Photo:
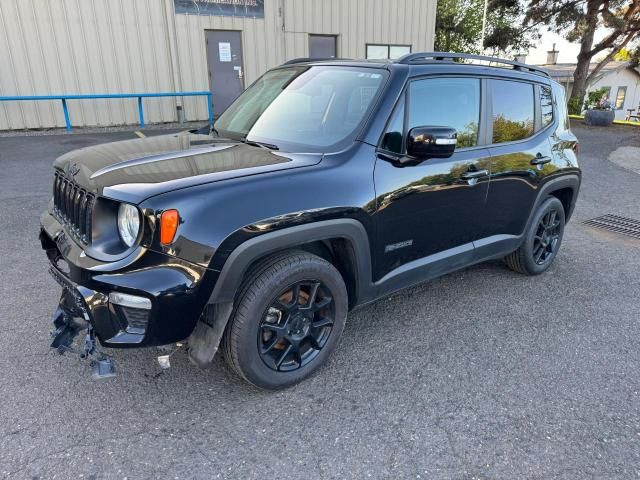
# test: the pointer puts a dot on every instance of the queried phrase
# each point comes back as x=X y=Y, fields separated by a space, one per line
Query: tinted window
x=561 y=107
x=546 y=106
x=392 y=138
x=447 y=102
x=512 y=110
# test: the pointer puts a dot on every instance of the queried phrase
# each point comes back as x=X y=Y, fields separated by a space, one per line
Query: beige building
x=50 y=47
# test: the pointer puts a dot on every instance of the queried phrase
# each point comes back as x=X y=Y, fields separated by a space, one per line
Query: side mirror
x=431 y=142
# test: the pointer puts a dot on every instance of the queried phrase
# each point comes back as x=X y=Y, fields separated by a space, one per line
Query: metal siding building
x=52 y=47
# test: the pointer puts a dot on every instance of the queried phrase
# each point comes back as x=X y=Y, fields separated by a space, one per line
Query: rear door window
x=513 y=113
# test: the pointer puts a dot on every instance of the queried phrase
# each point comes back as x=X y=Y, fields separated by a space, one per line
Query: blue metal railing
x=139 y=96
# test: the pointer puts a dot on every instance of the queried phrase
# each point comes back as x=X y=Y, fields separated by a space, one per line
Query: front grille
x=73 y=207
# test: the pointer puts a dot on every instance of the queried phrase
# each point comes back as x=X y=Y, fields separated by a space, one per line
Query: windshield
x=311 y=108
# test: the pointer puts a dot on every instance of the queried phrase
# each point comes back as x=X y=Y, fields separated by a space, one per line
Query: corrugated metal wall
x=124 y=46
x=83 y=46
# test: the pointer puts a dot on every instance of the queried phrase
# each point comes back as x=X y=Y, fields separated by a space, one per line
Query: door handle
x=471 y=174
x=540 y=160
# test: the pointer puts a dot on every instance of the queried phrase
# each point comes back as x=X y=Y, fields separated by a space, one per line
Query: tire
x=277 y=335
x=528 y=259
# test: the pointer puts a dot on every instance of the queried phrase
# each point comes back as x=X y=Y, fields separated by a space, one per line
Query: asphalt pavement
x=483 y=373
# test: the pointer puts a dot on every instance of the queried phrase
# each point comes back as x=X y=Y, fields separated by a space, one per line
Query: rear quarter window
x=546 y=106
x=560 y=101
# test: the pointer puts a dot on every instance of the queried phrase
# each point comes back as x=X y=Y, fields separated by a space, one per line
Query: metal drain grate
x=615 y=223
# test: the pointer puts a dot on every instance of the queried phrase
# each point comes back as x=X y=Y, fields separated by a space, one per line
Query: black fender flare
x=565 y=181
x=205 y=339
x=239 y=261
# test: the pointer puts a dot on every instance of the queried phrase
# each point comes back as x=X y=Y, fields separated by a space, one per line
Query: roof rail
x=421 y=58
x=306 y=59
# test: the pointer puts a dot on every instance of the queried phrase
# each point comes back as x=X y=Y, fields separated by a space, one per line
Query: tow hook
x=66 y=328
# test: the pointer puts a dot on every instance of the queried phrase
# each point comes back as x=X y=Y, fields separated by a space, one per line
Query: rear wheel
x=542 y=240
x=290 y=314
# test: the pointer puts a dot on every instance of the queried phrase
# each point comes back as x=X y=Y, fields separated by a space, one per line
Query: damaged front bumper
x=152 y=299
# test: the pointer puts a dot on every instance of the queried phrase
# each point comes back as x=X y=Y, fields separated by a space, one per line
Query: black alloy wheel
x=287 y=321
x=296 y=326
x=546 y=240
x=542 y=239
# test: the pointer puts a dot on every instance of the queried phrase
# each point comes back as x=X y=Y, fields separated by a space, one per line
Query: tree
x=504 y=32
x=459 y=26
x=578 y=20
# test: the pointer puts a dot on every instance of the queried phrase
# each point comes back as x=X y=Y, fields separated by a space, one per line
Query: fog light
x=132 y=301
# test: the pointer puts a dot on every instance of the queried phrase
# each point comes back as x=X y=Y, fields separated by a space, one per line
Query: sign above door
x=222 y=8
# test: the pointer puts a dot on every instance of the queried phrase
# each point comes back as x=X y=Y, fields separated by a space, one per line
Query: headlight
x=128 y=223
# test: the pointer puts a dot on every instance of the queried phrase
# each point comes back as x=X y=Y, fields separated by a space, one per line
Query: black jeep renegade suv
x=326 y=185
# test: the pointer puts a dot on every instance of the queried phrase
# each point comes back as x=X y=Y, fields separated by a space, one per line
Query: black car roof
x=444 y=60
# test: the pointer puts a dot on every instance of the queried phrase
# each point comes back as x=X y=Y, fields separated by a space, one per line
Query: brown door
x=226 y=74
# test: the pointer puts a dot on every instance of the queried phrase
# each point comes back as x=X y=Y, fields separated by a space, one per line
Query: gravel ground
x=480 y=374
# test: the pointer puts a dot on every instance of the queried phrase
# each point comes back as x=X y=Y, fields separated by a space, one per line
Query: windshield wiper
x=268 y=146
x=217 y=138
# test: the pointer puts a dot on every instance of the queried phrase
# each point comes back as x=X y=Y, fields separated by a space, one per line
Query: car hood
x=133 y=170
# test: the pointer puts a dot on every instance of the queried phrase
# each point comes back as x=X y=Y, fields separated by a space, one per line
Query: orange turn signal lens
x=169 y=221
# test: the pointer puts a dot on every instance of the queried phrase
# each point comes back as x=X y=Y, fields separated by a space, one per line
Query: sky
x=568 y=52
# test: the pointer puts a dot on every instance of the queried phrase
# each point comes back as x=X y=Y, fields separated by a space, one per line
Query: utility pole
x=484 y=25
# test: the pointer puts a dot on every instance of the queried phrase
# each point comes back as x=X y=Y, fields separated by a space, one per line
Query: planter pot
x=599 y=118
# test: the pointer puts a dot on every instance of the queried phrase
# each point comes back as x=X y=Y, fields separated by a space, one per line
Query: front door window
x=447 y=102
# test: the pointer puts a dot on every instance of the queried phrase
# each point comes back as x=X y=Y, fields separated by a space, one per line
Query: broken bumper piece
x=70 y=319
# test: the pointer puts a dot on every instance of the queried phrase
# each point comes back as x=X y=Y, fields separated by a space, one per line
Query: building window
x=622 y=92
x=512 y=104
x=387 y=52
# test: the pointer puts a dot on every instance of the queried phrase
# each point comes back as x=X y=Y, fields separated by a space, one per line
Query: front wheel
x=289 y=316
x=542 y=240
